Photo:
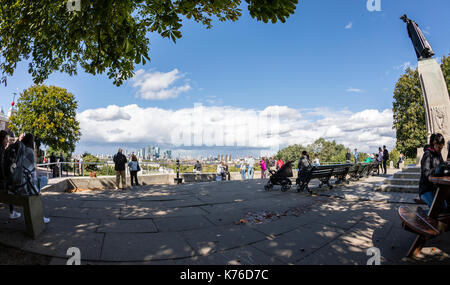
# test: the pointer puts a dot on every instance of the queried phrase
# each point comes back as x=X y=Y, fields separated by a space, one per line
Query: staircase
x=406 y=181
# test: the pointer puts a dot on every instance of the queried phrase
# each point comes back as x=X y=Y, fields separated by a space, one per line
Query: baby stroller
x=280 y=177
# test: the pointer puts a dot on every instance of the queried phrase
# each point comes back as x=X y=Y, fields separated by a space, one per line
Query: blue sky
x=330 y=55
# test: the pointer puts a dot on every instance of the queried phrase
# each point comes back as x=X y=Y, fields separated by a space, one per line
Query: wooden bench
x=33 y=211
x=323 y=173
x=340 y=172
x=431 y=225
x=353 y=172
x=418 y=222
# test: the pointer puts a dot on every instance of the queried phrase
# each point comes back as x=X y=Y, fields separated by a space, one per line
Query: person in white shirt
x=242 y=169
x=251 y=164
x=219 y=171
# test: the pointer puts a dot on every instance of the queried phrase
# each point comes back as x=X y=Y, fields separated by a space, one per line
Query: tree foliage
x=326 y=151
x=409 y=111
x=107 y=36
x=49 y=113
x=409 y=114
x=87 y=157
x=445 y=66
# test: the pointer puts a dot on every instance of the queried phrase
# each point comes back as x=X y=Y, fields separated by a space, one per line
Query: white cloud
x=111 y=113
x=349 y=26
x=403 y=66
x=158 y=85
x=354 y=90
x=273 y=127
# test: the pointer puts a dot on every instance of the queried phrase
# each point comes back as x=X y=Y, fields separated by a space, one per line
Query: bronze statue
x=421 y=45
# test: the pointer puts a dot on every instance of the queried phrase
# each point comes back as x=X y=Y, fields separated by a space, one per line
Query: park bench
x=362 y=168
x=32 y=211
x=340 y=172
x=367 y=171
x=323 y=173
x=353 y=172
x=427 y=226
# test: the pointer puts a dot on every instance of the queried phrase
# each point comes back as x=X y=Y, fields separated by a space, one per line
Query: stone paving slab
x=291 y=246
x=178 y=224
x=206 y=241
x=201 y=224
x=144 y=247
x=192 y=202
x=103 y=204
x=127 y=226
x=366 y=190
x=90 y=244
x=131 y=213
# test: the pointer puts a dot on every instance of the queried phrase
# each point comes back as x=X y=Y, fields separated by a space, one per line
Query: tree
x=409 y=111
x=107 y=35
x=445 y=66
x=87 y=157
x=49 y=113
x=292 y=153
x=326 y=151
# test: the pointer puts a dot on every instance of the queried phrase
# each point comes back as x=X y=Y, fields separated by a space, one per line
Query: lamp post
x=178 y=180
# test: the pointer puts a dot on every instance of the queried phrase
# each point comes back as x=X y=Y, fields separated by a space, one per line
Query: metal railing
x=71 y=169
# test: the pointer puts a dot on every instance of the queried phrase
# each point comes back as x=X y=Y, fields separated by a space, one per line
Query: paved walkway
x=230 y=222
x=365 y=190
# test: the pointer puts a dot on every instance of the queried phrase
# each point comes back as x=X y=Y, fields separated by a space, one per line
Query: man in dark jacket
x=198 y=167
x=53 y=165
x=431 y=158
x=348 y=156
x=61 y=160
x=385 y=158
x=119 y=166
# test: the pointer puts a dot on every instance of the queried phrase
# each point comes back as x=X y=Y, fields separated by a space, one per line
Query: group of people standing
x=120 y=162
x=382 y=157
x=56 y=165
x=247 y=166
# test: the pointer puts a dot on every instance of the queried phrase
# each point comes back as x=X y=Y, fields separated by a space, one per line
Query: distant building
x=4 y=121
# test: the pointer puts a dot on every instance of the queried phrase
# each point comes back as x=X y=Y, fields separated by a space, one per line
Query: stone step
x=407 y=175
x=401 y=181
x=399 y=188
x=409 y=169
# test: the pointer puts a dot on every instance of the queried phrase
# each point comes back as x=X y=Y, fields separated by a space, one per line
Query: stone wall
x=108 y=182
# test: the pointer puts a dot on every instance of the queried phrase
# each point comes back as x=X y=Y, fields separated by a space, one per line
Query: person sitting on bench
x=304 y=163
x=431 y=158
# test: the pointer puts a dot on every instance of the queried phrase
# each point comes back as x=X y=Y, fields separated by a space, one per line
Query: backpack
x=18 y=178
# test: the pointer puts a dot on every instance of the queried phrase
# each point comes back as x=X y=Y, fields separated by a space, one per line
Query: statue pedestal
x=436 y=99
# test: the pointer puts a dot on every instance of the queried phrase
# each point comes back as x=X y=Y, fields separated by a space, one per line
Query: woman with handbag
x=29 y=166
x=134 y=169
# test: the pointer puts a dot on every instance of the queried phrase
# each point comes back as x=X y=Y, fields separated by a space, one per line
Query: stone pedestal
x=436 y=99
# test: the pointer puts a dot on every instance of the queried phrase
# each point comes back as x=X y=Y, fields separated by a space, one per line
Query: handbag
x=138 y=168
